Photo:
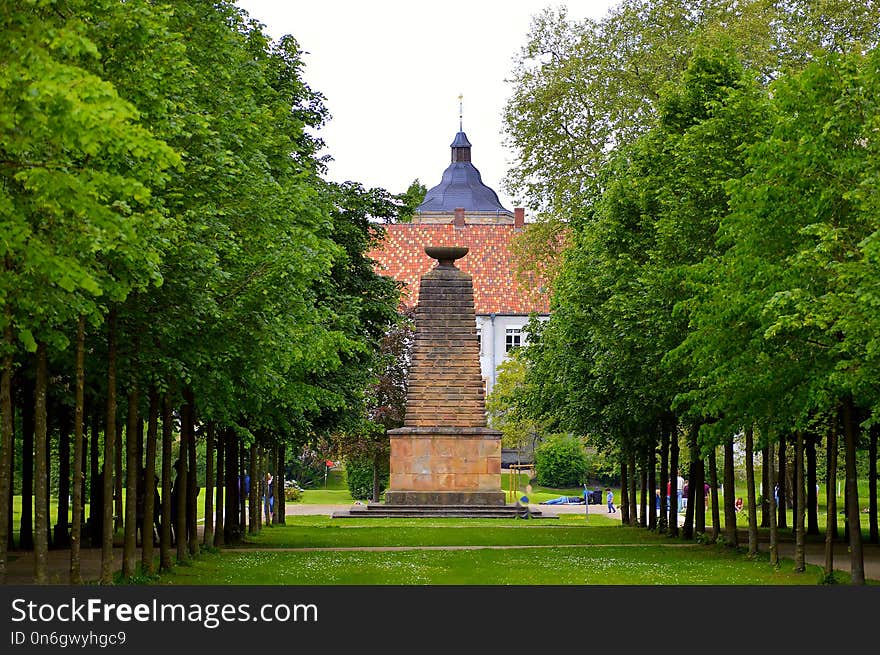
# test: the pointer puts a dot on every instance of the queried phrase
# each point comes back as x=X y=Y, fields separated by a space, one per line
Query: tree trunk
x=771 y=513
x=274 y=490
x=782 y=503
x=624 y=490
x=259 y=484
x=831 y=499
x=242 y=476
x=6 y=445
x=280 y=503
x=96 y=492
x=873 y=536
x=48 y=460
x=673 y=481
x=107 y=527
x=78 y=444
x=852 y=496
x=730 y=533
x=179 y=495
x=713 y=483
x=139 y=444
x=10 y=527
x=795 y=496
x=766 y=487
x=165 y=559
x=652 y=485
x=750 y=491
x=663 y=518
x=698 y=493
x=253 y=511
x=149 y=481
x=267 y=491
x=192 y=481
x=179 y=491
x=812 y=500
x=218 y=524
x=643 y=498
x=119 y=510
x=26 y=523
x=231 y=532
x=62 y=521
x=633 y=499
x=800 y=564
x=208 y=535
x=831 y=492
x=693 y=455
x=83 y=478
x=129 y=547
x=41 y=515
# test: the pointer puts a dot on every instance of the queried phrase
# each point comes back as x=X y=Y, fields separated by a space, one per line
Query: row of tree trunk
x=785 y=484
x=163 y=507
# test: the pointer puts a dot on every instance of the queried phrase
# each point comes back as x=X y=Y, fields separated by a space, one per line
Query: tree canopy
x=716 y=198
x=160 y=179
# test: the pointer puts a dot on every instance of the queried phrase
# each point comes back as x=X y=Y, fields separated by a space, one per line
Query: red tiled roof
x=489 y=262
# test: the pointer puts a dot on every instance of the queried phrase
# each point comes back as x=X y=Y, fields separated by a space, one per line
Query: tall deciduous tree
x=584 y=89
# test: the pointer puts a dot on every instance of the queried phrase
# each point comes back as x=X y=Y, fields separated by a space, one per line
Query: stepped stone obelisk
x=444 y=454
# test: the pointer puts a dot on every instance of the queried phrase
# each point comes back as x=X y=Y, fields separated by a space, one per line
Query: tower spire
x=460 y=97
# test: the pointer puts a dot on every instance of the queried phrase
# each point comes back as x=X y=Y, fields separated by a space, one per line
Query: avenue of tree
x=707 y=180
x=175 y=274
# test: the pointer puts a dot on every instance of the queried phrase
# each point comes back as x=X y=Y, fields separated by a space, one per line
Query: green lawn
x=577 y=550
x=605 y=565
x=323 y=532
x=335 y=492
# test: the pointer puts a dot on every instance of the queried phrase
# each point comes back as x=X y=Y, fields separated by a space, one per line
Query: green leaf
x=25 y=336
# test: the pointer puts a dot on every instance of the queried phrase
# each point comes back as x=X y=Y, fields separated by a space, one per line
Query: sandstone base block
x=445 y=466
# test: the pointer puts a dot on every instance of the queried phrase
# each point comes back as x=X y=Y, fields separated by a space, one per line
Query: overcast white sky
x=391 y=72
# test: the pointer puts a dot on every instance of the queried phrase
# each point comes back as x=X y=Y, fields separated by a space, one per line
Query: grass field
x=318 y=550
x=601 y=565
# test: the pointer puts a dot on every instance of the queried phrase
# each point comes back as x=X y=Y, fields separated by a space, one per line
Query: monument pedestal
x=445 y=466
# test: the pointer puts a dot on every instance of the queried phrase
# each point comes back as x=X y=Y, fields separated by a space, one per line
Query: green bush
x=603 y=470
x=359 y=476
x=560 y=461
x=293 y=494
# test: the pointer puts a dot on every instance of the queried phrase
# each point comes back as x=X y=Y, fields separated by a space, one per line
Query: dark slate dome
x=461 y=185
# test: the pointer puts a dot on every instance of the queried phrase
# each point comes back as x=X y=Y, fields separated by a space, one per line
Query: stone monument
x=444 y=454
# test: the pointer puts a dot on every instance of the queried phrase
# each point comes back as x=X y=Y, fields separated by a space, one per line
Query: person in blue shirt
x=609 y=497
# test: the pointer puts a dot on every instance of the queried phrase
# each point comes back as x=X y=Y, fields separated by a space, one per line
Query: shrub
x=359 y=476
x=603 y=470
x=293 y=494
x=560 y=461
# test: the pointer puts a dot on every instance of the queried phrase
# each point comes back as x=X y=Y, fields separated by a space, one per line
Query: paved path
x=20 y=567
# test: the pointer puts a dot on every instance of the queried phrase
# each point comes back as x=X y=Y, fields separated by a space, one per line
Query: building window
x=512 y=339
x=480 y=342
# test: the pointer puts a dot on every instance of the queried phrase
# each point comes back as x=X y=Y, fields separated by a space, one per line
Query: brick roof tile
x=490 y=262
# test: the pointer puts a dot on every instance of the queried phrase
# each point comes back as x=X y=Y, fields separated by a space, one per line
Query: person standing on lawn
x=680 y=486
x=609 y=497
x=268 y=499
